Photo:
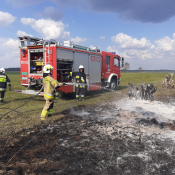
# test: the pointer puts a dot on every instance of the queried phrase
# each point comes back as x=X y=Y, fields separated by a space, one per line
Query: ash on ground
x=119 y=138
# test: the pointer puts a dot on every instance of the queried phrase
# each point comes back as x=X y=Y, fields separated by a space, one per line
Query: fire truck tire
x=113 y=84
x=73 y=95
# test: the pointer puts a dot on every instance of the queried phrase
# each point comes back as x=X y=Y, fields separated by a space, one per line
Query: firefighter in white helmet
x=4 y=81
x=80 y=83
x=50 y=85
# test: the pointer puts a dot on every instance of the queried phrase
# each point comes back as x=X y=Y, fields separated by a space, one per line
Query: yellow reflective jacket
x=49 y=87
x=4 y=81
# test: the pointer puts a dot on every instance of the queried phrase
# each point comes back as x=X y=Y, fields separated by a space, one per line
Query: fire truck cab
x=102 y=68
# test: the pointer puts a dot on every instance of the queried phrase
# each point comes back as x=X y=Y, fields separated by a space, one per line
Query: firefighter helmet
x=2 y=70
x=81 y=67
x=47 y=69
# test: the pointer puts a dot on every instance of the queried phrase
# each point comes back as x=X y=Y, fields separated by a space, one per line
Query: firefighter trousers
x=2 y=94
x=48 y=109
x=80 y=89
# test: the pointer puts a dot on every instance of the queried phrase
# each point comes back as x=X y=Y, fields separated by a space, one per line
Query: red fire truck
x=102 y=68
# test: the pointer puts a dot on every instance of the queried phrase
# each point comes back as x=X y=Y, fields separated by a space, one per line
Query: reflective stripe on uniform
x=77 y=96
x=55 y=81
x=49 y=96
x=81 y=86
x=48 y=85
x=70 y=73
x=3 y=79
x=82 y=79
x=82 y=95
x=50 y=111
x=44 y=113
x=77 y=76
x=76 y=85
x=2 y=89
x=45 y=80
x=1 y=98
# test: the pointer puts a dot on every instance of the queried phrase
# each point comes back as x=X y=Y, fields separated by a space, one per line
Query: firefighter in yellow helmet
x=50 y=85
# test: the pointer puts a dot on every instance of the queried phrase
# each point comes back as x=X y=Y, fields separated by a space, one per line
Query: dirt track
x=91 y=143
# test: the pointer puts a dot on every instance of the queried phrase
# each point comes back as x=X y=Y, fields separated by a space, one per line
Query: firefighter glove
x=56 y=95
x=10 y=88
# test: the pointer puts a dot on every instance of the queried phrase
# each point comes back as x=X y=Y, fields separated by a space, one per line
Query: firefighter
x=50 y=85
x=80 y=83
x=4 y=81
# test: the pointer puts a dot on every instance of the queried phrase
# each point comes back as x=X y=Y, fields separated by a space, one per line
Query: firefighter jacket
x=81 y=76
x=49 y=87
x=4 y=80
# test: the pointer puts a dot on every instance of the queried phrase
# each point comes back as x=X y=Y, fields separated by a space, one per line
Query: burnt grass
x=87 y=146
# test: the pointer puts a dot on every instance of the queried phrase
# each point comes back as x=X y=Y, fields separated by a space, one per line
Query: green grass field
x=13 y=122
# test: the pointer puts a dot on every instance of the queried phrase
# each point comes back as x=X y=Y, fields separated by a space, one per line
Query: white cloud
x=127 y=42
x=102 y=37
x=114 y=49
x=132 y=48
x=78 y=40
x=12 y=44
x=11 y=57
x=9 y=52
x=6 y=18
x=21 y=33
x=144 y=53
x=49 y=29
x=166 y=44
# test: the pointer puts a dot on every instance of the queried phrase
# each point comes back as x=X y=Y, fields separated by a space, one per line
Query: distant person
x=4 y=81
x=80 y=78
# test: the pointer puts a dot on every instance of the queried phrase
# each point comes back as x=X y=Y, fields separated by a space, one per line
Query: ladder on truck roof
x=69 y=44
x=38 y=41
x=46 y=51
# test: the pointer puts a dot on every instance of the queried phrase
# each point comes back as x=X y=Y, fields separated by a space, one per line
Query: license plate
x=24 y=78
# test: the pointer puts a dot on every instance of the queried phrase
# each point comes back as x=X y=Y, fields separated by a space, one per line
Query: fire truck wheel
x=113 y=84
x=73 y=95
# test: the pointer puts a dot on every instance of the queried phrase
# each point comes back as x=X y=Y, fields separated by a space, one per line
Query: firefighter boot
x=50 y=113
x=82 y=99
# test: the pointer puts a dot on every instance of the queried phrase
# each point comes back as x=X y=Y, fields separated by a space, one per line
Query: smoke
x=149 y=109
x=79 y=112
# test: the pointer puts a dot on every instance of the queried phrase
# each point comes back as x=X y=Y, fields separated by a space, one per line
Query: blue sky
x=143 y=32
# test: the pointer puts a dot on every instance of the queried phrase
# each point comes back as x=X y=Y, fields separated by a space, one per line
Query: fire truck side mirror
x=122 y=61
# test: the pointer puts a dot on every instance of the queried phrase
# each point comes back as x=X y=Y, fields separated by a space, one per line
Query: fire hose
x=11 y=110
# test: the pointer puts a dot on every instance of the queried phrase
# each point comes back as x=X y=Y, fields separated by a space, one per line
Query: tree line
x=13 y=69
x=127 y=67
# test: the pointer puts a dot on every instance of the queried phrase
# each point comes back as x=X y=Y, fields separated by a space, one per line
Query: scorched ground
x=105 y=140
